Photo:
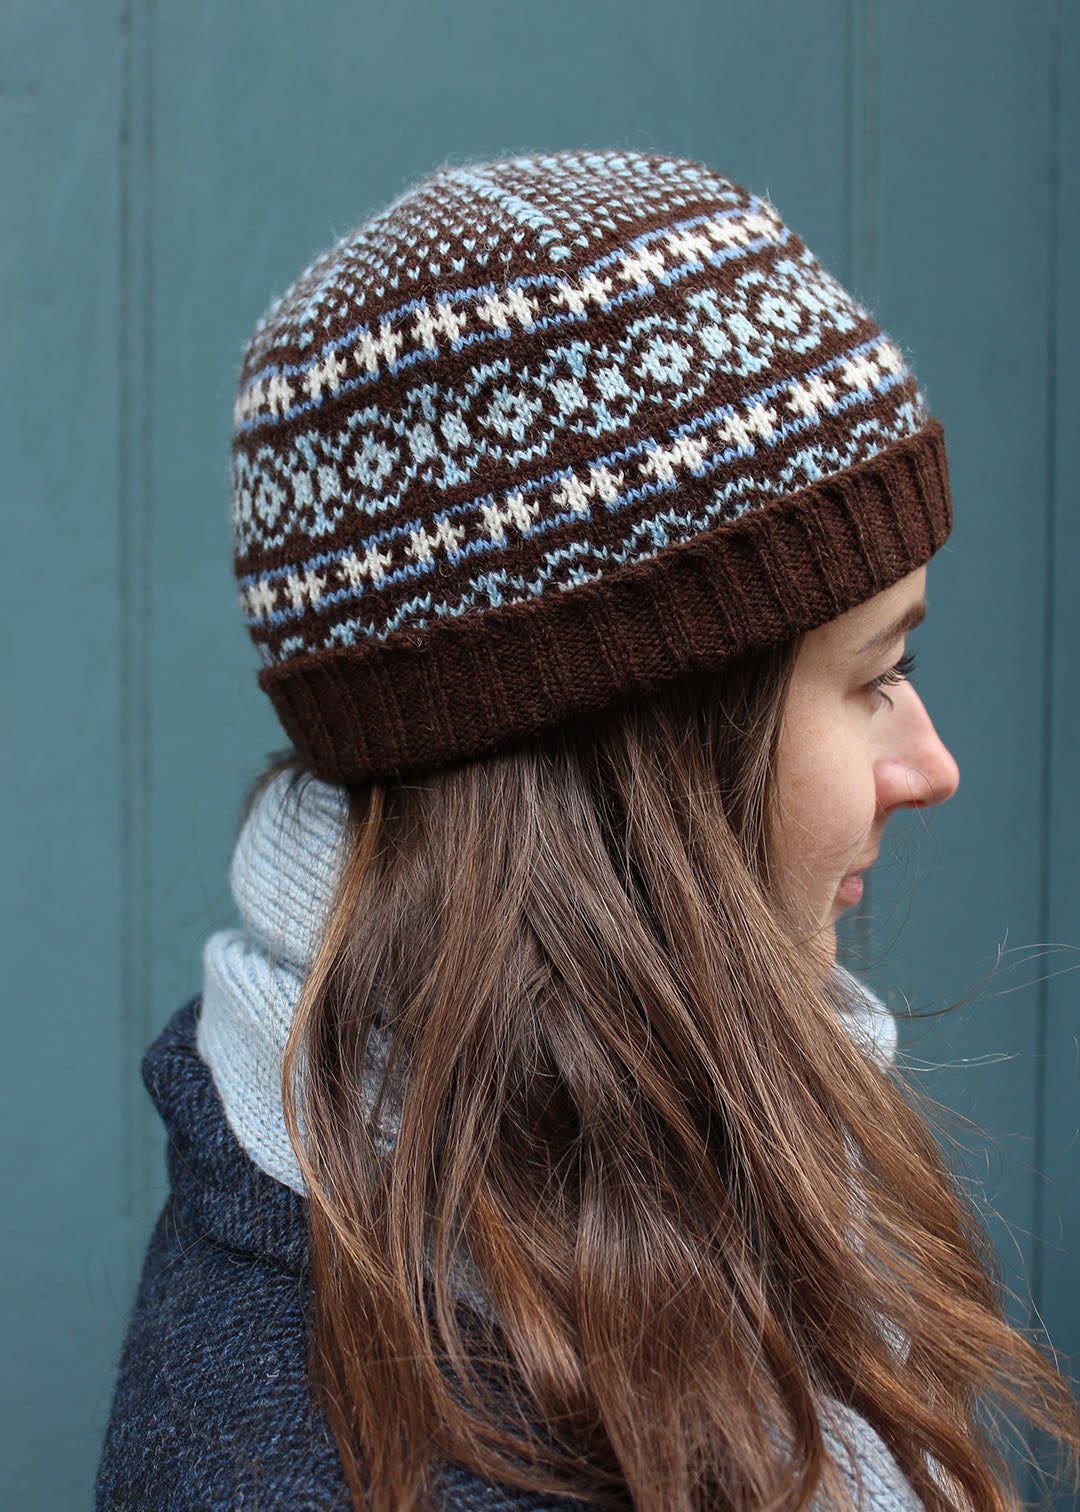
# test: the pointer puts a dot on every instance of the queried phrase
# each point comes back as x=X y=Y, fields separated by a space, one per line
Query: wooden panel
x=1057 y=1146
x=961 y=209
x=965 y=194
x=63 y=1080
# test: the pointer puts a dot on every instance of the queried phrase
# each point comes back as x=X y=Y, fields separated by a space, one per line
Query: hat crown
x=484 y=224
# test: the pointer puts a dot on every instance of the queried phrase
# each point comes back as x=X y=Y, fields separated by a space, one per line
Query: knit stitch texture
x=549 y=432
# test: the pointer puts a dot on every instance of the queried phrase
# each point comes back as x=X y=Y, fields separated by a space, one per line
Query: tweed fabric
x=551 y=432
x=212 y=1409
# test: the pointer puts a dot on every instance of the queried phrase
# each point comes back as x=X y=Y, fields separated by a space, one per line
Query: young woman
x=528 y=1145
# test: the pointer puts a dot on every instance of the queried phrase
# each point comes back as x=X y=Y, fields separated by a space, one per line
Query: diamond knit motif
x=551 y=432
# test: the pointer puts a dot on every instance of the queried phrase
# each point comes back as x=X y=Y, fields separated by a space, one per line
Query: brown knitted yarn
x=549 y=432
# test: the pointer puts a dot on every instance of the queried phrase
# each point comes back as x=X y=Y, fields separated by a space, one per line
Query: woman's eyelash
x=903 y=670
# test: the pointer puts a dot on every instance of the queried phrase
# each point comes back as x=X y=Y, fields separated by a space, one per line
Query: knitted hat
x=550 y=432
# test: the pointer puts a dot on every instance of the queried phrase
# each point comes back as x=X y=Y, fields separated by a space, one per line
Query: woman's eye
x=902 y=670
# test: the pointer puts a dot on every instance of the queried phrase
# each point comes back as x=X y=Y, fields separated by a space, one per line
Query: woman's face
x=852 y=751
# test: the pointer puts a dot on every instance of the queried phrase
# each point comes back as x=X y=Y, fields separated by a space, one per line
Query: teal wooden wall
x=167 y=165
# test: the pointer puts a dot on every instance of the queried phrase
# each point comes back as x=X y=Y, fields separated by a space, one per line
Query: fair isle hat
x=551 y=432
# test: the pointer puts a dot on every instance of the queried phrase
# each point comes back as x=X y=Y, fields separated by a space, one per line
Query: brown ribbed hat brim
x=466 y=687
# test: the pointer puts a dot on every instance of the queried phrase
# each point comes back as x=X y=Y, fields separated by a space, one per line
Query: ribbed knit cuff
x=466 y=687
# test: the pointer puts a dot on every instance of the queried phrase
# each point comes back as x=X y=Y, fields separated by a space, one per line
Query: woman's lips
x=850 y=890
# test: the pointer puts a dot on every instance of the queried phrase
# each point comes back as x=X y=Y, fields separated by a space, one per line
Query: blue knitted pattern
x=712 y=347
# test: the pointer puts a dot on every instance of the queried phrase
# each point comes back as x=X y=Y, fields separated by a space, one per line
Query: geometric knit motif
x=528 y=377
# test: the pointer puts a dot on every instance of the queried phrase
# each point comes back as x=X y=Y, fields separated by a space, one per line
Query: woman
x=528 y=1145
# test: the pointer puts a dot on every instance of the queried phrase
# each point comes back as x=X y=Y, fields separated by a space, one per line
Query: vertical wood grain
x=970 y=247
x=1057 y=1295
x=134 y=544
x=862 y=195
x=962 y=272
x=862 y=147
x=62 y=1083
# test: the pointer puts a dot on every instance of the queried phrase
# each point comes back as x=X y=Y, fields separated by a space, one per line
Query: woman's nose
x=918 y=769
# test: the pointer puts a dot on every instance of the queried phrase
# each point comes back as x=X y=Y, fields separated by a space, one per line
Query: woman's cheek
x=848 y=802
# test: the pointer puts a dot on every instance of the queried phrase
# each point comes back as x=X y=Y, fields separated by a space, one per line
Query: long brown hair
x=646 y=1207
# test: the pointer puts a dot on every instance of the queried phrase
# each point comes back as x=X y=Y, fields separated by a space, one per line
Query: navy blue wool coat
x=212 y=1410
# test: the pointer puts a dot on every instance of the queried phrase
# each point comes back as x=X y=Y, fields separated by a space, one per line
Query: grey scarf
x=282 y=877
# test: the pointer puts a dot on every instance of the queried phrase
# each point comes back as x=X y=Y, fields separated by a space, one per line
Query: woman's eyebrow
x=907 y=621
